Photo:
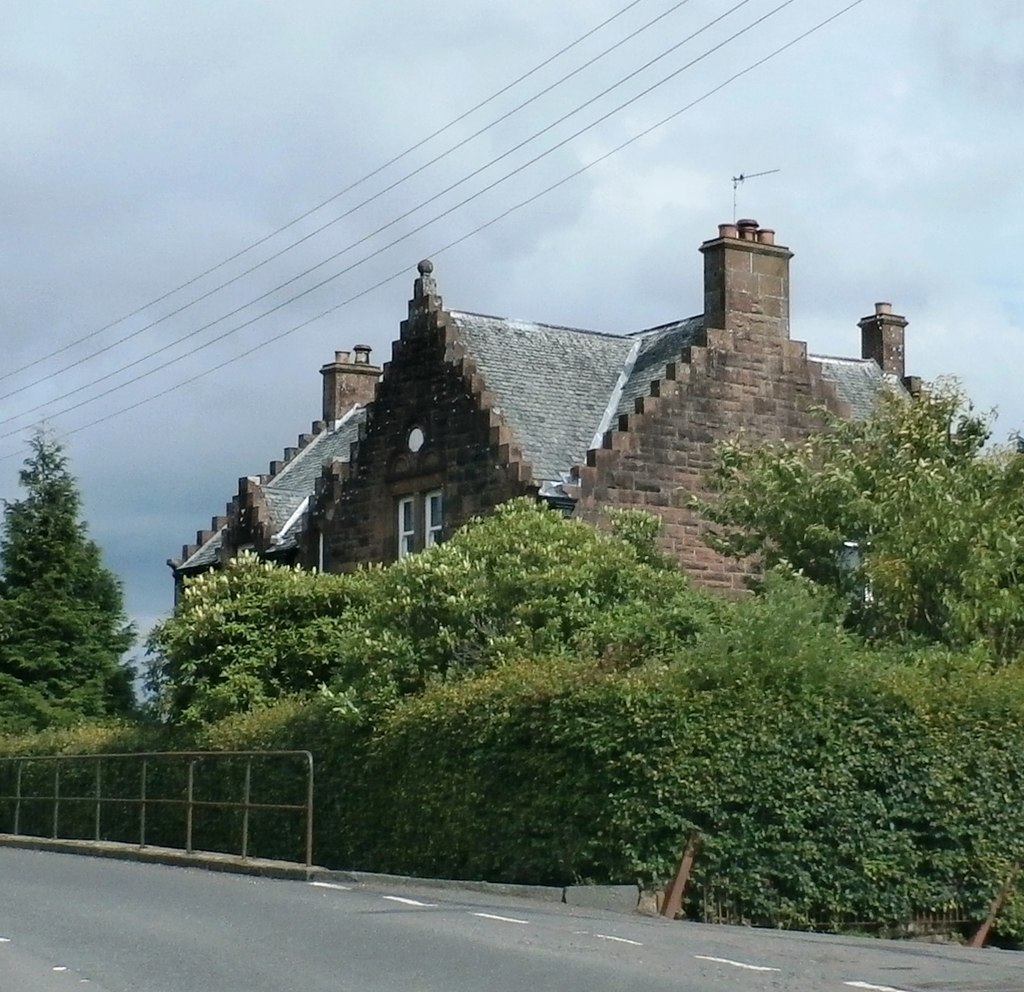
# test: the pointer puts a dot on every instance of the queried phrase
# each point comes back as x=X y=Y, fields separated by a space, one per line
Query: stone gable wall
x=468 y=452
x=745 y=377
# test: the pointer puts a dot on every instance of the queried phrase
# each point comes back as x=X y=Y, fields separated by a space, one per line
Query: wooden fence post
x=674 y=890
x=978 y=940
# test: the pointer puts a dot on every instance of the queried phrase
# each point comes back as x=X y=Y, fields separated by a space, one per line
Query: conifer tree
x=63 y=627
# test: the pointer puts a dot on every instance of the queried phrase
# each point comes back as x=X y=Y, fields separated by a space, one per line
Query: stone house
x=473 y=410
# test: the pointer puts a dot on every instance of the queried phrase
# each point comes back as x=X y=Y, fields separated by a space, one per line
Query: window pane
x=434 y=510
x=406 y=526
x=433 y=515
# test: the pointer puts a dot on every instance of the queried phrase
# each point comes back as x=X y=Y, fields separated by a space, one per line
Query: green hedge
x=848 y=789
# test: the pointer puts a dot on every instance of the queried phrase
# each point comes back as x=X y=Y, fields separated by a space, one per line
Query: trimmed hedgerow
x=832 y=784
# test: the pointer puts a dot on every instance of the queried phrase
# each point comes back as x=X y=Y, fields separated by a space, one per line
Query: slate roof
x=857 y=380
x=551 y=383
x=207 y=554
x=658 y=346
x=560 y=388
x=287 y=492
x=301 y=473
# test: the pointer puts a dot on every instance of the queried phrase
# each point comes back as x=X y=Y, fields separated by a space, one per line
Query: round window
x=416 y=439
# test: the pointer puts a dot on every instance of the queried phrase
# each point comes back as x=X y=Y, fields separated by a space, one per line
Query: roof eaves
x=205 y=554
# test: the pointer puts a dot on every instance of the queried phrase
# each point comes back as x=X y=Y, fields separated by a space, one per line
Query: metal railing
x=21 y=798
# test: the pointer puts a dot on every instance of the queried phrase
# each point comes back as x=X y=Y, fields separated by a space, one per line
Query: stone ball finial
x=425 y=267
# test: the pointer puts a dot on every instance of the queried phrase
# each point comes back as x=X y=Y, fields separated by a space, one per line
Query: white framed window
x=433 y=516
x=406 y=526
x=420 y=521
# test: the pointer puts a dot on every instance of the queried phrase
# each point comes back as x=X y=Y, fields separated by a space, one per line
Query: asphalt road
x=71 y=922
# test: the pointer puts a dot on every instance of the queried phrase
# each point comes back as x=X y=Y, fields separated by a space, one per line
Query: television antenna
x=742 y=178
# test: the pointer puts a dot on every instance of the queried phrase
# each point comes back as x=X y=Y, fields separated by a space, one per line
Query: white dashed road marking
x=619 y=940
x=735 y=964
x=873 y=988
x=500 y=919
x=411 y=902
x=60 y=967
x=332 y=885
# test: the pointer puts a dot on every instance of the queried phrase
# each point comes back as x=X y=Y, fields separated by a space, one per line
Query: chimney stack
x=348 y=380
x=882 y=338
x=746 y=280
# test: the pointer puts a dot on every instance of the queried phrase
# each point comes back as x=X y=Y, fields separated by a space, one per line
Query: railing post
x=245 y=806
x=142 y=806
x=17 y=797
x=99 y=790
x=76 y=794
x=188 y=808
x=309 y=810
x=56 y=798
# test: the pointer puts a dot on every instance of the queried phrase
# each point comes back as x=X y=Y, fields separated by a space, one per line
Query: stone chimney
x=882 y=338
x=348 y=380
x=746 y=280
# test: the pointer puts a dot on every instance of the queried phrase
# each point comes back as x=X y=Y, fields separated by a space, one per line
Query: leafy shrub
x=523 y=581
x=936 y=513
x=831 y=782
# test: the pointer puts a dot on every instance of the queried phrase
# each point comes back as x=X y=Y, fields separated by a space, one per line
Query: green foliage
x=938 y=517
x=832 y=782
x=537 y=701
x=248 y=634
x=63 y=628
x=524 y=581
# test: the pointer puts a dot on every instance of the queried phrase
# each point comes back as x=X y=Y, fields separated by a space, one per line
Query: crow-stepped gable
x=472 y=410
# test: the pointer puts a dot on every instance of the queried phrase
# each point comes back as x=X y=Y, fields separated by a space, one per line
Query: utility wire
x=348 y=213
x=465 y=237
x=401 y=217
x=312 y=210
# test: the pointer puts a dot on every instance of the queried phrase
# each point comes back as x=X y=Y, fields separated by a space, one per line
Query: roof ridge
x=841 y=358
x=537 y=323
x=665 y=326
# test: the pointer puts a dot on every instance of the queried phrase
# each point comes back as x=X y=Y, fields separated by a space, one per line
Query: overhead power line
x=355 y=244
x=76 y=363
x=335 y=196
x=152 y=397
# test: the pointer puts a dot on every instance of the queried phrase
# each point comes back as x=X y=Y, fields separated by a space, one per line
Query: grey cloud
x=146 y=143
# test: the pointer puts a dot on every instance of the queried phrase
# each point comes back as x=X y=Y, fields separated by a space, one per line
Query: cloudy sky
x=146 y=142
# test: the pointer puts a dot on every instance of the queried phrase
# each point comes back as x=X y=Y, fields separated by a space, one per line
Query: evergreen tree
x=63 y=627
